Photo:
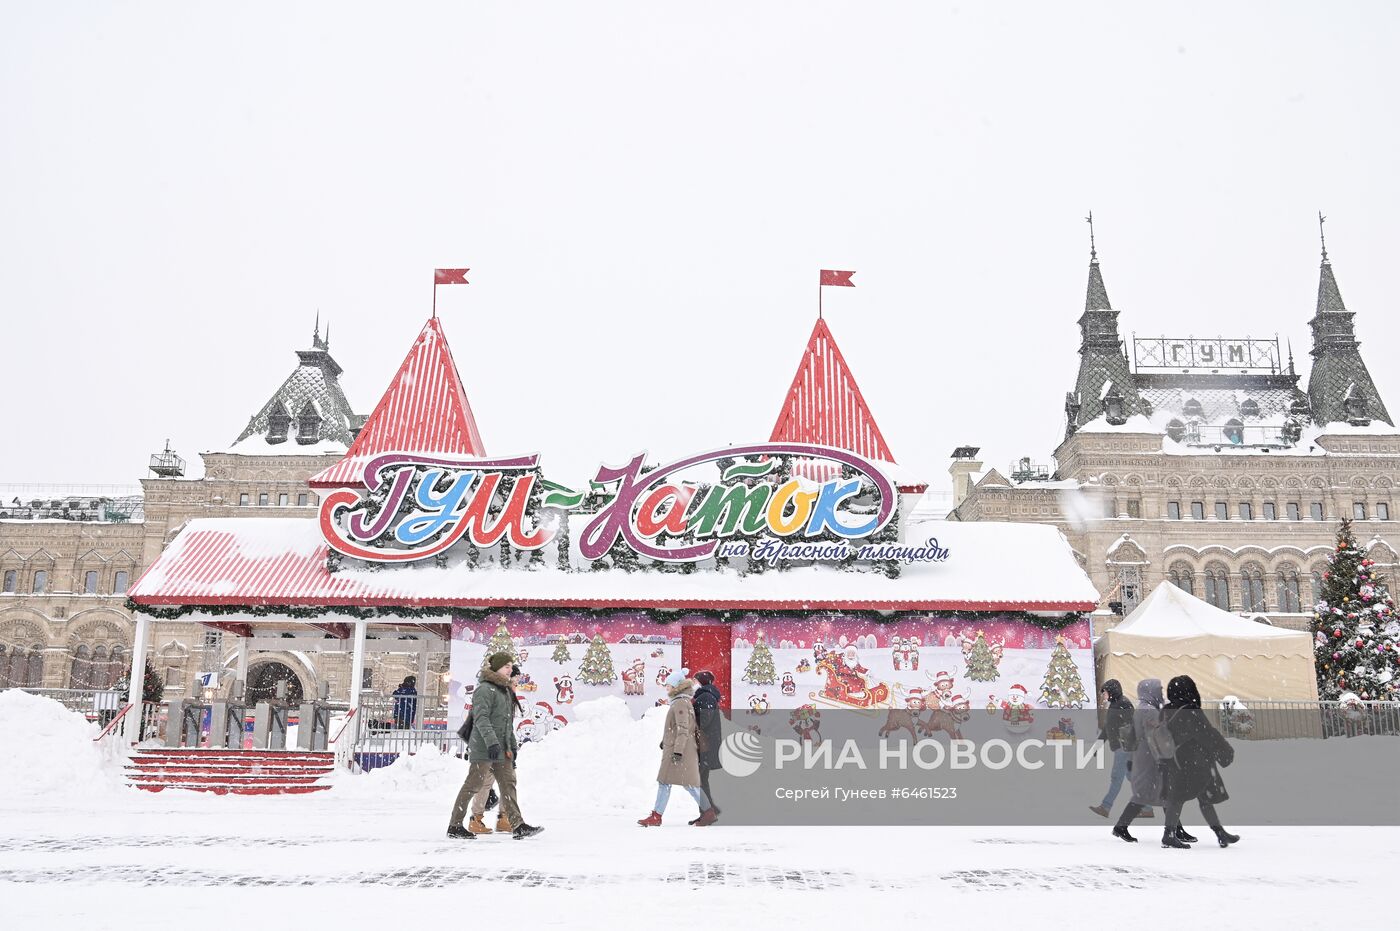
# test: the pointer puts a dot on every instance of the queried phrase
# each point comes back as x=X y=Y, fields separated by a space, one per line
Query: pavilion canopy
x=1174 y=633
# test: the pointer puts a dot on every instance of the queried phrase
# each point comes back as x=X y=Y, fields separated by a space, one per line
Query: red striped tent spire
x=425 y=410
x=824 y=404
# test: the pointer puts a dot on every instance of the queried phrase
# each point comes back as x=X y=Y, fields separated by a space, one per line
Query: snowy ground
x=372 y=849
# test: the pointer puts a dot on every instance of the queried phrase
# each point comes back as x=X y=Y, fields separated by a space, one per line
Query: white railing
x=1268 y=719
x=93 y=704
x=342 y=742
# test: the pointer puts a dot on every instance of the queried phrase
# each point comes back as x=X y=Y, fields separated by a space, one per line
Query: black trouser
x=1131 y=812
x=1207 y=811
x=705 y=784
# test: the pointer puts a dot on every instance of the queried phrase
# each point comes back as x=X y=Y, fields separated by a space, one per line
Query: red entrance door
x=708 y=647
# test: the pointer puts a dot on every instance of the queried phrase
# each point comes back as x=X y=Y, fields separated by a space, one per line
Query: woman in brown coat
x=680 y=758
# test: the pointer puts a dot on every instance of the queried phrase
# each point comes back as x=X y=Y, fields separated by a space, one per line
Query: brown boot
x=477 y=826
x=503 y=824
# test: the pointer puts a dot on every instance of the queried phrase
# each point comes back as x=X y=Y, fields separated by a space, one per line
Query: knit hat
x=676 y=678
x=498 y=660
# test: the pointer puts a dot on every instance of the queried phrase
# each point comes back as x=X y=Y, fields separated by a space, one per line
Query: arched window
x=1289 y=597
x=35 y=675
x=41 y=582
x=1233 y=432
x=1252 y=588
x=308 y=423
x=1193 y=409
x=11 y=580
x=1317 y=583
x=1181 y=576
x=278 y=423
x=1217 y=587
x=1176 y=429
x=99 y=668
x=80 y=674
x=1130 y=588
x=116 y=666
x=19 y=667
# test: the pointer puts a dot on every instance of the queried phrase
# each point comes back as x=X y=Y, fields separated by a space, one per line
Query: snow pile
x=605 y=760
x=49 y=750
x=427 y=772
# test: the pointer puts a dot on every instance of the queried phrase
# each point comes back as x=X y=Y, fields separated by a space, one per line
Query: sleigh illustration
x=846 y=687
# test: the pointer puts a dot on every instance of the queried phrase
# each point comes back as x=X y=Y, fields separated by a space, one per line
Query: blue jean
x=663 y=795
x=1115 y=776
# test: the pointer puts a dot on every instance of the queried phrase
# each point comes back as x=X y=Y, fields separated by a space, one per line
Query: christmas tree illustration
x=1356 y=637
x=501 y=642
x=561 y=652
x=982 y=660
x=1062 y=687
x=760 y=670
x=597 y=667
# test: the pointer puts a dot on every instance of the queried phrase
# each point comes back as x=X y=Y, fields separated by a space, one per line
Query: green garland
x=656 y=615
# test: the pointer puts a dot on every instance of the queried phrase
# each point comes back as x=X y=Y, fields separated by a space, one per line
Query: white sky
x=645 y=191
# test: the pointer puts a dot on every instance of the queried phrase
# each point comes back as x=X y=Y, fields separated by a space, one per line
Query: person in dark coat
x=406 y=703
x=1146 y=771
x=1117 y=722
x=707 y=702
x=1192 y=772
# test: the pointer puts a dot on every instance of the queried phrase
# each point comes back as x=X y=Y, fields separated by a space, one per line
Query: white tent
x=1173 y=633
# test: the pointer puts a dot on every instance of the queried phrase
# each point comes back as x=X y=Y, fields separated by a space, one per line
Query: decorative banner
x=763 y=507
x=938 y=669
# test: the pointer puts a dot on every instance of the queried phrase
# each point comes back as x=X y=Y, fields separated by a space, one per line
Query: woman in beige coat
x=680 y=758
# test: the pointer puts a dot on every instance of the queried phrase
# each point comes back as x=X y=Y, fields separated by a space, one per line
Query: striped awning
x=281 y=562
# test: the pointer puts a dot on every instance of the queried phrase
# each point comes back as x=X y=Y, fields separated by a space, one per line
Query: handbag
x=1127 y=737
x=465 y=731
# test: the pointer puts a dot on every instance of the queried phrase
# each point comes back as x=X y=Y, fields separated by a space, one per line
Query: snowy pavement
x=173 y=859
x=79 y=849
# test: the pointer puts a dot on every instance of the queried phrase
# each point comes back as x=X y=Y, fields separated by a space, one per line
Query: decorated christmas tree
x=1062 y=687
x=501 y=642
x=982 y=660
x=561 y=651
x=597 y=667
x=1354 y=628
x=760 y=670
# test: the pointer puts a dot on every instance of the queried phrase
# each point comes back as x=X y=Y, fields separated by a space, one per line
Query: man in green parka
x=491 y=748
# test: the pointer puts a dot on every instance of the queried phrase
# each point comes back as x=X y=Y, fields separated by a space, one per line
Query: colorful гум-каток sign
x=414 y=506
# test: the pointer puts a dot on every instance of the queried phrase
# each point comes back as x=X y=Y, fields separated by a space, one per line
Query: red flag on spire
x=837 y=279
x=454 y=275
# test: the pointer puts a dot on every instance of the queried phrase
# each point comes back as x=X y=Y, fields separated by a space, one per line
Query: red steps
x=231 y=772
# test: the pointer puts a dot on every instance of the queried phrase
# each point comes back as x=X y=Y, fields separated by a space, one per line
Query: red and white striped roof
x=424 y=410
x=825 y=406
x=281 y=562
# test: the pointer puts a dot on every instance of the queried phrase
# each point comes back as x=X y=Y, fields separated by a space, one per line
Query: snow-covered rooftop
x=282 y=561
